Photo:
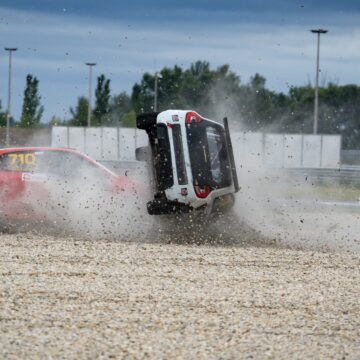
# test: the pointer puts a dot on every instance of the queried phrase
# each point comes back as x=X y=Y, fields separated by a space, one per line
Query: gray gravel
x=66 y=298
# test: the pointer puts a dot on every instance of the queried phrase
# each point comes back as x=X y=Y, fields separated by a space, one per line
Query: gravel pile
x=68 y=298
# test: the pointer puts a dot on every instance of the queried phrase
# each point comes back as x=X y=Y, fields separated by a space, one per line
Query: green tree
x=120 y=105
x=56 y=121
x=169 y=86
x=219 y=92
x=2 y=116
x=129 y=119
x=80 y=113
x=102 y=99
x=340 y=113
x=258 y=109
x=196 y=86
x=31 y=110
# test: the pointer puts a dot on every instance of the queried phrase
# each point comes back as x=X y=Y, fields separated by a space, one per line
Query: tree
x=129 y=119
x=56 y=121
x=219 y=92
x=339 y=112
x=80 y=113
x=2 y=116
x=169 y=90
x=258 y=104
x=120 y=105
x=31 y=110
x=196 y=86
x=102 y=96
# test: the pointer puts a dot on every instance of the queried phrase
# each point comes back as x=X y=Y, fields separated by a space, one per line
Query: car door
x=21 y=186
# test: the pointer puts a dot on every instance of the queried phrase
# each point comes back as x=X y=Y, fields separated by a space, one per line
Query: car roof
x=38 y=148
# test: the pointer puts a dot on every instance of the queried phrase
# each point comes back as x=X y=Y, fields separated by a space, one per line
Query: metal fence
x=347 y=175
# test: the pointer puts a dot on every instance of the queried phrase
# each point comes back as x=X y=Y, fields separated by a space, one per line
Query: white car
x=192 y=163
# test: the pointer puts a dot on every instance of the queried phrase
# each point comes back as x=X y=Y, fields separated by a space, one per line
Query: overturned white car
x=191 y=161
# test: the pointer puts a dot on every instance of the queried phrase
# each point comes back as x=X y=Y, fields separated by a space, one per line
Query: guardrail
x=345 y=174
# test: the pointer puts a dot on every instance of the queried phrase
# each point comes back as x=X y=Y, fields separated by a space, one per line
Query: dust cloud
x=272 y=206
x=278 y=206
x=90 y=205
x=290 y=209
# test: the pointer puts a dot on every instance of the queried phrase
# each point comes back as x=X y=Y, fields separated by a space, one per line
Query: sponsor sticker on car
x=30 y=177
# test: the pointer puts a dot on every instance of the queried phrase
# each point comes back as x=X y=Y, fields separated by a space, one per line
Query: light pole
x=157 y=76
x=8 y=112
x=90 y=65
x=316 y=105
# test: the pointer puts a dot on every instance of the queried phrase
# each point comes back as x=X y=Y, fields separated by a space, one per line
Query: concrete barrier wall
x=274 y=150
x=101 y=143
x=93 y=145
x=26 y=137
x=248 y=149
x=330 y=151
x=251 y=150
x=76 y=138
x=293 y=151
x=311 y=151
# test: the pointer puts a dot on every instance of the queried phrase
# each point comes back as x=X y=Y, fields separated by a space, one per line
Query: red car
x=36 y=180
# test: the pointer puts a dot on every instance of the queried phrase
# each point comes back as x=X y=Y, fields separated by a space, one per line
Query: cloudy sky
x=127 y=38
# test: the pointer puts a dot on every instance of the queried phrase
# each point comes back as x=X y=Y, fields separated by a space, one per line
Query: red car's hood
x=11 y=185
x=128 y=184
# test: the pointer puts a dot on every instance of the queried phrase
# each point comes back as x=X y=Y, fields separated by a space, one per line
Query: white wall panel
x=237 y=140
x=252 y=150
x=59 y=136
x=77 y=138
x=312 y=151
x=141 y=138
x=331 y=146
x=127 y=144
x=292 y=150
x=110 y=144
x=93 y=142
x=274 y=150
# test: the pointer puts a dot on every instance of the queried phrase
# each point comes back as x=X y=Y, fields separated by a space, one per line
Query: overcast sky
x=127 y=38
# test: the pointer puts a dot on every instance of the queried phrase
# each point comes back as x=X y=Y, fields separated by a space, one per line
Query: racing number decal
x=22 y=159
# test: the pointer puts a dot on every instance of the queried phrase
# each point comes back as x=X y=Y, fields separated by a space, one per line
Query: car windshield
x=60 y=163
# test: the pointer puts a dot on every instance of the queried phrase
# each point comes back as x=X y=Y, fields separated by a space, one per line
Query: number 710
x=22 y=159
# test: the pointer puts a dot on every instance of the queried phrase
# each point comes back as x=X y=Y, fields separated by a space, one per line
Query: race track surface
x=66 y=298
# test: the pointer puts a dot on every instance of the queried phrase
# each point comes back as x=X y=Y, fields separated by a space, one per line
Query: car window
x=162 y=159
x=179 y=155
x=215 y=148
x=208 y=154
x=60 y=163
